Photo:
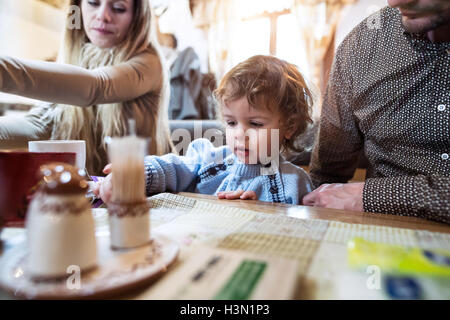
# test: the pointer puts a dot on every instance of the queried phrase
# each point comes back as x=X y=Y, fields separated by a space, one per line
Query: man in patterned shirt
x=389 y=95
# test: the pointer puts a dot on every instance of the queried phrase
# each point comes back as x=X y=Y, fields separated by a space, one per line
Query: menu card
x=219 y=274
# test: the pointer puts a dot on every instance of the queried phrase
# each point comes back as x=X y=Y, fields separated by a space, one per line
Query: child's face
x=252 y=134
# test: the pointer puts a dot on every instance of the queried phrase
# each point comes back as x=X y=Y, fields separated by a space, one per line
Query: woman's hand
x=103 y=189
x=240 y=194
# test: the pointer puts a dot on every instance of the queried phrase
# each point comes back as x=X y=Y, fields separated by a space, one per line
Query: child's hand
x=240 y=194
x=103 y=189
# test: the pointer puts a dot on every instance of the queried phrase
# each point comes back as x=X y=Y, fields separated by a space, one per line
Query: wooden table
x=309 y=214
x=327 y=269
x=330 y=214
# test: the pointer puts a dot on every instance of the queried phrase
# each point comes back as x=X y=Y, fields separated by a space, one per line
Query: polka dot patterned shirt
x=389 y=95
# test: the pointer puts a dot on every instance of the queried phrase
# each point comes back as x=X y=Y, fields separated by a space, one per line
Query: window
x=288 y=46
x=252 y=39
x=276 y=33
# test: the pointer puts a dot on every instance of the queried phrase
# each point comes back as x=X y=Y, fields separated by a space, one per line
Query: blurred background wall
x=30 y=29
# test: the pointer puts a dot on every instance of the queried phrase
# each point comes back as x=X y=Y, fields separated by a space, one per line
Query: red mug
x=19 y=177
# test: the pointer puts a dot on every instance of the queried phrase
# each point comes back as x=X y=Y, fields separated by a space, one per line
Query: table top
x=313 y=240
x=329 y=214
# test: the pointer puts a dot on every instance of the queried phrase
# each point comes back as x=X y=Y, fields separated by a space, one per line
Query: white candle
x=128 y=172
x=129 y=218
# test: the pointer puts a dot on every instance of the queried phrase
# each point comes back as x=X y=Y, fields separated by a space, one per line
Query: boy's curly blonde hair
x=267 y=81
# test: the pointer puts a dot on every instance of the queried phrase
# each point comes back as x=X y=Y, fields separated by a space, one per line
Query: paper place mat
x=220 y=274
x=341 y=233
x=319 y=246
x=204 y=227
x=247 y=221
x=171 y=201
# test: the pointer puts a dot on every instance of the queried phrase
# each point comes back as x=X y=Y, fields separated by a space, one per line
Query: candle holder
x=129 y=224
x=129 y=217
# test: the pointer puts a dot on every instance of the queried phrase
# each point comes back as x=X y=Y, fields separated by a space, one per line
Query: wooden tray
x=118 y=271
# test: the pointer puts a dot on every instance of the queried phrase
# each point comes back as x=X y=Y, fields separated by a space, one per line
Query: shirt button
x=230 y=161
x=444 y=156
x=441 y=107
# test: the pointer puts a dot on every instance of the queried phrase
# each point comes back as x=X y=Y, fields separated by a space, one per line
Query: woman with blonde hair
x=109 y=70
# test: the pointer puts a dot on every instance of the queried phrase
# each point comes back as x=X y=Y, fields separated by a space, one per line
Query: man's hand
x=240 y=194
x=347 y=196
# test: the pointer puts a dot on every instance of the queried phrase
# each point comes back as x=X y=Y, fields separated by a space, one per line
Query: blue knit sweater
x=208 y=170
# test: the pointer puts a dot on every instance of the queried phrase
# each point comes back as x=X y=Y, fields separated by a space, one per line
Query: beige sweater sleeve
x=16 y=131
x=68 y=84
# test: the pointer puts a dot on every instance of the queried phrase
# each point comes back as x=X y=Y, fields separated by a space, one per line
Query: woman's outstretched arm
x=73 y=85
x=16 y=131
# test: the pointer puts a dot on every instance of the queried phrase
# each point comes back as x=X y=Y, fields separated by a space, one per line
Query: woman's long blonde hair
x=93 y=124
